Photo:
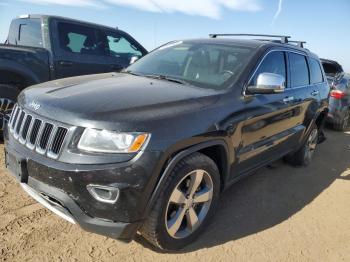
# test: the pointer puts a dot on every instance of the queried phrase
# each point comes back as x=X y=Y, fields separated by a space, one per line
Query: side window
x=299 y=72
x=119 y=46
x=79 y=39
x=26 y=32
x=273 y=63
x=315 y=71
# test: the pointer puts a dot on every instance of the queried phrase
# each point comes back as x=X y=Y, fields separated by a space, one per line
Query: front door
x=273 y=120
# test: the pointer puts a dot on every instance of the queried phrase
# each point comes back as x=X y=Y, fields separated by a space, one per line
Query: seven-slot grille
x=36 y=133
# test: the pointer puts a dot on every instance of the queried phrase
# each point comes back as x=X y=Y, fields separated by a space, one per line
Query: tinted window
x=298 y=70
x=26 y=32
x=120 y=46
x=315 y=71
x=203 y=65
x=273 y=63
x=80 y=39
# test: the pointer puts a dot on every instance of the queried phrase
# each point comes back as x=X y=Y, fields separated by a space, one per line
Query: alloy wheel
x=6 y=106
x=311 y=144
x=189 y=204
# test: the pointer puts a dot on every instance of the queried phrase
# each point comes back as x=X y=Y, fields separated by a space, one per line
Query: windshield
x=213 y=66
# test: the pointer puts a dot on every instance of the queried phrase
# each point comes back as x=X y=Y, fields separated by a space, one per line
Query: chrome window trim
x=262 y=60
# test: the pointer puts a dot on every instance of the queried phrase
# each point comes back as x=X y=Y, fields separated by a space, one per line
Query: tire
x=344 y=124
x=8 y=97
x=160 y=228
x=304 y=155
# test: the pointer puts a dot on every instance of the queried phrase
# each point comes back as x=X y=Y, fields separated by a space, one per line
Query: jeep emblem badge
x=34 y=105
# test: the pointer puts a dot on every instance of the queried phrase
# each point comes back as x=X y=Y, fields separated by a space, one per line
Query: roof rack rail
x=299 y=43
x=283 y=38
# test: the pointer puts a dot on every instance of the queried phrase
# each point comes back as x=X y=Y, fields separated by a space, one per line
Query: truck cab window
x=121 y=47
x=79 y=39
x=26 y=32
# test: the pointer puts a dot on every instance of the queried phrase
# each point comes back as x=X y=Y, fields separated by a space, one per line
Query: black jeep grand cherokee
x=152 y=148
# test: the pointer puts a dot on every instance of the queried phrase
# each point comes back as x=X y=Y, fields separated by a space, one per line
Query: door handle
x=288 y=99
x=314 y=93
x=66 y=63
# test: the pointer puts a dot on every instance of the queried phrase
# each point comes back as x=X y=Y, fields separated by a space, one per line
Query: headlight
x=94 y=140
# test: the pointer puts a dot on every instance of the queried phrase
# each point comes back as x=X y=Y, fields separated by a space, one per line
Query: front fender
x=176 y=159
x=19 y=69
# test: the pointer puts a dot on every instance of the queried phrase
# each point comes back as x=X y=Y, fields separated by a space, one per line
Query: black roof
x=40 y=16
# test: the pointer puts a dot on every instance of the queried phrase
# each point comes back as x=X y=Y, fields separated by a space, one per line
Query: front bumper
x=61 y=204
x=62 y=188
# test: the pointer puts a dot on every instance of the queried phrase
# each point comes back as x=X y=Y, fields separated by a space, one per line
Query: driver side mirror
x=268 y=83
x=133 y=59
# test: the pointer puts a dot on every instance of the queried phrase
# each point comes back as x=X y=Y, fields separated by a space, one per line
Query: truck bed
x=33 y=61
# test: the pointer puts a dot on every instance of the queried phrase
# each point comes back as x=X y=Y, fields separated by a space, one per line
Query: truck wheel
x=8 y=98
x=344 y=124
x=185 y=205
x=304 y=155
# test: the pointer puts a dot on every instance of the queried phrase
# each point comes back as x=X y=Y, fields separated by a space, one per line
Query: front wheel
x=185 y=204
x=305 y=154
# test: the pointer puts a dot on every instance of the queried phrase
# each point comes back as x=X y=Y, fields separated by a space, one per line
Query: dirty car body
x=238 y=130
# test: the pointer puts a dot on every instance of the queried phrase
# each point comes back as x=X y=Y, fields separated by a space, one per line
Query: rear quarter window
x=315 y=71
x=26 y=32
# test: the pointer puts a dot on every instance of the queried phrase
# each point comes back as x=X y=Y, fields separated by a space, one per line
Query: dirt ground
x=280 y=214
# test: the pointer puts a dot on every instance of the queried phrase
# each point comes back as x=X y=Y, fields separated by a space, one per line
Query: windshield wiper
x=168 y=78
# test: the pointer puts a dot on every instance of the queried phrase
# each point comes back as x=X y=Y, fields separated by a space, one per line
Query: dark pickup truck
x=40 y=48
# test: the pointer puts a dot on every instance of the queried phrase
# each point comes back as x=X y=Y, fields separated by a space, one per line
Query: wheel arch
x=217 y=150
x=321 y=118
x=16 y=74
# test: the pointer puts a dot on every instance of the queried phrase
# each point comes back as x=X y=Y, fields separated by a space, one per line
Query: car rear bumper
x=337 y=110
x=336 y=116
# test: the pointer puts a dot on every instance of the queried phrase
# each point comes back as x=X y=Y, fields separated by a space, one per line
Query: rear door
x=78 y=50
x=319 y=82
x=305 y=94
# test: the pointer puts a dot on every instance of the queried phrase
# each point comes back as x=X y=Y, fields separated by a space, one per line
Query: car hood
x=109 y=98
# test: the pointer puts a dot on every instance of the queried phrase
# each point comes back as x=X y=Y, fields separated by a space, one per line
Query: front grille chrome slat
x=25 y=128
x=45 y=137
x=57 y=142
x=19 y=123
x=15 y=119
x=12 y=116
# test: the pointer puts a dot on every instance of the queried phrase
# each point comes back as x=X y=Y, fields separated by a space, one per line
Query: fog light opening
x=104 y=194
